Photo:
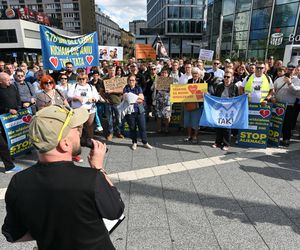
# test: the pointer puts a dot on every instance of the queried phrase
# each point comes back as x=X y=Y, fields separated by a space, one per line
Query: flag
x=225 y=112
x=160 y=49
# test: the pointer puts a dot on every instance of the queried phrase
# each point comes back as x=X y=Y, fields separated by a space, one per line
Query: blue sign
x=257 y=133
x=278 y=113
x=16 y=131
x=225 y=112
x=57 y=49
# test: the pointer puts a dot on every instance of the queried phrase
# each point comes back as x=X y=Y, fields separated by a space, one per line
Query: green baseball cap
x=53 y=123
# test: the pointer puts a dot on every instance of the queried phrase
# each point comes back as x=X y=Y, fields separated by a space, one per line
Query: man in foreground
x=56 y=203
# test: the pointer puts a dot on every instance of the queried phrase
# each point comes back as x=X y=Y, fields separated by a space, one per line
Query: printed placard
x=163 y=83
x=58 y=49
x=16 y=130
x=278 y=113
x=187 y=92
x=205 y=54
x=259 y=122
x=115 y=84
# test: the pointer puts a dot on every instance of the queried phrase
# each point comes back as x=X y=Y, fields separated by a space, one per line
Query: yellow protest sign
x=163 y=83
x=115 y=84
x=187 y=92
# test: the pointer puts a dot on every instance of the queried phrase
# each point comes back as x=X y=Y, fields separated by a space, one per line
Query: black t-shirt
x=61 y=205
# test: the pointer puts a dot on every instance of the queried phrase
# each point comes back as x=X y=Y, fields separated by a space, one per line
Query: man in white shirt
x=183 y=79
x=216 y=70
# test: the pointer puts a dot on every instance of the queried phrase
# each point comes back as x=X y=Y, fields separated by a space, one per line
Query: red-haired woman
x=49 y=94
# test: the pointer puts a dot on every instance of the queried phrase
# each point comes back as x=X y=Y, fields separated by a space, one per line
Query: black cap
x=95 y=72
x=291 y=66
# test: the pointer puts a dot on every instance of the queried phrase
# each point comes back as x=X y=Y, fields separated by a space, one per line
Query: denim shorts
x=192 y=118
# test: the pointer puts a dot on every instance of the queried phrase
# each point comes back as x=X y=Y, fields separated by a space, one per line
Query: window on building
x=243 y=5
x=228 y=7
x=285 y=15
x=186 y=2
x=8 y=36
x=242 y=21
x=185 y=12
x=285 y=1
x=173 y=12
x=174 y=1
x=68 y=5
x=260 y=18
x=227 y=24
x=262 y=4
x=196 y=13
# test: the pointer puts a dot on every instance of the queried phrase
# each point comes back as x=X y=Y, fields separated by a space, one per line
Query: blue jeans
x=135 y=120
x=99 y=113
x=113 y=115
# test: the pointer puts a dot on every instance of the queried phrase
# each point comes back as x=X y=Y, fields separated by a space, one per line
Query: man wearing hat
x=56 y=203
x=287 y=89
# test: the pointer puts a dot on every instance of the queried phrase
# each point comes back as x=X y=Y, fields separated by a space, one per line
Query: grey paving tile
x=238 y=236
x=149 y=238
x=274 y=227
x=175 y=181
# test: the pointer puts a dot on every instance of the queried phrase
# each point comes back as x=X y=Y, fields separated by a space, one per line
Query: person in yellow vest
x=258 y=86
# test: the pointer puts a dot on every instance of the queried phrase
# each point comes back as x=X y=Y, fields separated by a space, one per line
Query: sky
x=124 y=11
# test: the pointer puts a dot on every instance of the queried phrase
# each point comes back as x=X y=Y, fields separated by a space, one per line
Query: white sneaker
x=147 y=145
x=99 y=129
x=134 y=146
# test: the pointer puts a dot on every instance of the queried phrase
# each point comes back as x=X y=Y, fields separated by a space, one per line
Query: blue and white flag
x=225 y=112
x=58 y=49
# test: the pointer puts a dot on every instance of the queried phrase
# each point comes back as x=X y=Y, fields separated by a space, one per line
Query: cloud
x=122 y=12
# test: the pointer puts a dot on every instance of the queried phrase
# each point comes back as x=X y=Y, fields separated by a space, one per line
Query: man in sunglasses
x=258 y=86
x=216 y=69
x=54 y=202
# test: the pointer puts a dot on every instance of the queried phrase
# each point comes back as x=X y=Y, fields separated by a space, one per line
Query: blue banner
x=259 y=122
x=16 y=131
x=57 y=49
x=225 y=112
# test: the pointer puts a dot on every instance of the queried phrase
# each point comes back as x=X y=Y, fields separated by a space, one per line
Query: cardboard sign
x=206 y=54
x=163 y=83
x=187 y=92
x=259 y=121
x=278 y=113
x=16 y=130
x=57 y=49
x=115 y=84
x=145 y=51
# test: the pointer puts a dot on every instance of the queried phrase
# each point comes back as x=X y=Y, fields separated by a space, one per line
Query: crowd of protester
x=263 y=81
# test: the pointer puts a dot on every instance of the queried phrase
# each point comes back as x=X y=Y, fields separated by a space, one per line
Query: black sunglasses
x=227 y=76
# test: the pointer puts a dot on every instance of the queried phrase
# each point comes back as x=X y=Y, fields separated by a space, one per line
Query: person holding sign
x=68 y=200
x=192 y=110
x=137 y=117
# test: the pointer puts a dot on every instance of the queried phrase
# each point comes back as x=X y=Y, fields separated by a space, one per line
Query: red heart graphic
x=199 y=94
x=192 y=88
x=279 y=111
x=27 y=118
x=264 y=113
x=54 y=61
x=89 y=59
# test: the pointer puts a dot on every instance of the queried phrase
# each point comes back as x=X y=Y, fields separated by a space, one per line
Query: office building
x=252 y=29
x=182 y=22
x=136 y=26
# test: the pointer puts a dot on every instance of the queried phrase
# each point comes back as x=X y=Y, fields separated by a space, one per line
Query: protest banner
x=187 y=92
x=16 y=131
x=225 y=112
x=176 y=118
x=259 y=122
x=58 y=49
x=205 y=54
x=110 y=53
x=163 y=83
x=115 y=84
x=278 y=113
x=145 y=51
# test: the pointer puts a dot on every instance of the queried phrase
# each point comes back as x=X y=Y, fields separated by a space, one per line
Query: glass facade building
x=252 y=28
x=182 y=22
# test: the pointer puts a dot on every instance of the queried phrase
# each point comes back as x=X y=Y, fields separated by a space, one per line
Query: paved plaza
x=191 y=196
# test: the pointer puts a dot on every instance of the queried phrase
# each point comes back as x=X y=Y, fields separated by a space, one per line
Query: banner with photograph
x=16 y=131
x=110 y=53
x=115 y=84
x=256 y=135
x=187 y=92
x=225 y=112
x=278 y=113
x=58 y=49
